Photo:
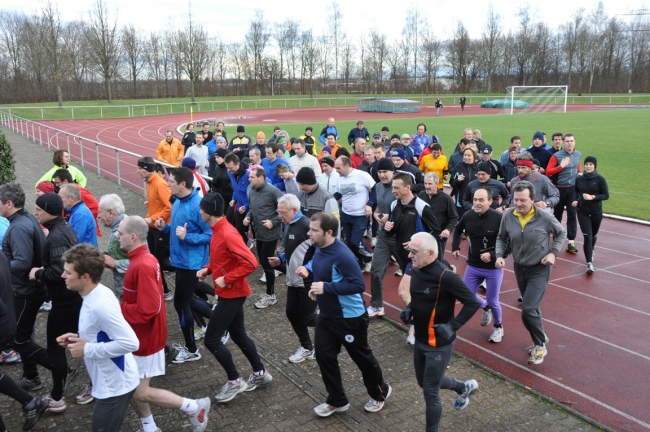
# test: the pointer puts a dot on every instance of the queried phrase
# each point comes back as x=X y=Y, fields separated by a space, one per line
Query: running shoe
x=453 y=268
x=266 y=301
x=86 y=395
x=46 y=307
x=373 y=311
x=367 y=267
x=302 y=354
x=255 y=381
x=30 y=384
x=497 y=335
x=263 y=278
x=483 y=286
x=590 y=268
x=230 y=390
x=55 y=406
x=10 y=356
x=399 y=272
x=199 y=418
x=185 y=356
x=486 y=318
x=537 y=355
x=373 y=242
x=251 y=243
x=326 y=410
x=225 y=338
x=33 y=412
x=529 y=350
x=520 y=299
x=374 y=405
x=199 y=333
x=571 y=247
x=169 y=296
x=462 y=400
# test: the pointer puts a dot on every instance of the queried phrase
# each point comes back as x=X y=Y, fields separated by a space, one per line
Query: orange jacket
x=158 y=194
x=334 y=150
x=170 y=153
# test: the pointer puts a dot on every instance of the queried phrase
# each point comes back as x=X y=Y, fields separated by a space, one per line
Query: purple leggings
x=493 y=277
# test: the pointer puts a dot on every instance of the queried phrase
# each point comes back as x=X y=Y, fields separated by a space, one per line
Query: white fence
x=140 y=110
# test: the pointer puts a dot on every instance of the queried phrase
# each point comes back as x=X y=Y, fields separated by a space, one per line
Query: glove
x=406 y=315
x=445 y=331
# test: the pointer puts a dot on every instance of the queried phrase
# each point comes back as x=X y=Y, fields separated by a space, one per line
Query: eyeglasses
x=282 y=212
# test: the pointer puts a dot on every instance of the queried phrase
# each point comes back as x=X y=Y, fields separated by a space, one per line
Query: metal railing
x=114 y=163
x=140 y=110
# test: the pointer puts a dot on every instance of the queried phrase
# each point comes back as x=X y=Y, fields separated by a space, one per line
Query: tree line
x=43 y=58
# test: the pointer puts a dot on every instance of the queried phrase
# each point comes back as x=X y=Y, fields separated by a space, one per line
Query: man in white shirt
x=328 y=179
x=105 y=340
x=199 y=153
x=303 y=159
x=353 y=189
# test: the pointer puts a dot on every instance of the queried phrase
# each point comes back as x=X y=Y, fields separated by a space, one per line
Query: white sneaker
x=373 y=311
x=185 y=356
x=46 y=307
x=369 y=233
x=367 y=267
x=326 y=410
x=251 y=243
x=486 y=318
x=483 y=286
x=225 y=338
x=373 y=242
x=590 y=268
x=266 y=301
x=410 y=339
x=399 y=272
x=497 y=335
x=263 y=278
x=199 y=333
x=277 y=273
x=302 y=354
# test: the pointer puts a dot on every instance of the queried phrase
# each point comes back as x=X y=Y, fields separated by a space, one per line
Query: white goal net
x=536 y=99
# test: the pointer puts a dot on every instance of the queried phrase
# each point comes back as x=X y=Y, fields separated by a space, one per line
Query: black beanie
x=328 y=160
x=394 y=136
x=485 y=167
x=306 y=176
x=50 y=203
x=240 y=128
x=591 y=159
x=222 y=152
x=385 y=164
x=212 y=204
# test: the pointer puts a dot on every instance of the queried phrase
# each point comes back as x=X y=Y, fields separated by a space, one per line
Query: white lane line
x=559 y=384
x=623 y=235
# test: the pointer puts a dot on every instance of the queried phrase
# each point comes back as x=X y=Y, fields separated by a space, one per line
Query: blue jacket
x=419 y=143
x=358 y=133
x=83 y=223
x=271 y=176
x=212 y=148
x=240 y=185
x=326 y=131
x=194 y=252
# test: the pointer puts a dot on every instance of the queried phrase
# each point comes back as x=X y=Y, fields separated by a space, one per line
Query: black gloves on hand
x=406 y=315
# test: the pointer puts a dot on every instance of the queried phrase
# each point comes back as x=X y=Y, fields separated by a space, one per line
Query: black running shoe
x=33 y=412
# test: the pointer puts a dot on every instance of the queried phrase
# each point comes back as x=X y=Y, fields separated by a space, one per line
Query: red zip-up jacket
x=143 y=305
x=231 y=258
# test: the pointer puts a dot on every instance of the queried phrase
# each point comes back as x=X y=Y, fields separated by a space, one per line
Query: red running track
x=599 y=358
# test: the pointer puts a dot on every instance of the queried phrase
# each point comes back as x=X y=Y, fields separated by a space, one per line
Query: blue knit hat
x=538 y=135
x=399 y=153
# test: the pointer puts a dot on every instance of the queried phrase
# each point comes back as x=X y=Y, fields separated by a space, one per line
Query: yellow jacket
x=170 y=153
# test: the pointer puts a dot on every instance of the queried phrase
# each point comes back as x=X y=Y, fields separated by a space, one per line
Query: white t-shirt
x=200 y=155
x=355 y=190
x=110 y=344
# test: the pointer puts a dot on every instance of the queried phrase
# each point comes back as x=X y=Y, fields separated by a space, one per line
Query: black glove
x=406 y=315
x=445 y=331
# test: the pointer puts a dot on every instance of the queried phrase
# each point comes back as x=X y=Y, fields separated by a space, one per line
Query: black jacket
x=220 y=180
x=23 y=247
x=189 y=139
x=7 y=313
x=482 y=231
x=498 y=190
x=443 y=209
x=358 y=133
x=469 y=171
x=592 y=184
x=415 y=216
x=61 y=238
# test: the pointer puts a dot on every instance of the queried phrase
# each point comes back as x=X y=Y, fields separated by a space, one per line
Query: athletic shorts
x=152 y=365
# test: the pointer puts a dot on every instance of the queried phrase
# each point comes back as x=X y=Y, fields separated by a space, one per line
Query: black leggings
x=203 y=290
x=229 y=316
x=236 y=219
x=158 y=244
x=589 y=225
x=60 y=320
x=301 y=312
x=26 y=310
x=186 y=283
x=566 y=199
x=265 y=250
x=10 y=388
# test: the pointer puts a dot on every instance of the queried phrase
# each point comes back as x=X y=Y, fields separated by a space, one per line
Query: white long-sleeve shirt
x=110 y=342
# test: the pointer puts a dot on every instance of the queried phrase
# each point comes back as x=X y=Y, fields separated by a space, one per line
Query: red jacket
x=143 y=305
x=230 y=257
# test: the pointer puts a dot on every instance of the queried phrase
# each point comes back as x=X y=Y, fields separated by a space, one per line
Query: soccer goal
x=536 y=99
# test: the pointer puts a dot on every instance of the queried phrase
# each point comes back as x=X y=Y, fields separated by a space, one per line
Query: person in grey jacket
x=111 y=213
x=526 y=231
x=312 y=197
x=296 y=250
x=263 y=200
x=546 y=193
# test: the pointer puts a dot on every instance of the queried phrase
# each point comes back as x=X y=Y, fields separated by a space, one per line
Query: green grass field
x=604 y=134
x=148 y=107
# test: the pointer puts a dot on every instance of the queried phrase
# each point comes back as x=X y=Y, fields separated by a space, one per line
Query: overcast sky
x=387 y=16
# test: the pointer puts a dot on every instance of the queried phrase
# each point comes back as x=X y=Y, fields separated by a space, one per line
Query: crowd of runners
x=312 y=210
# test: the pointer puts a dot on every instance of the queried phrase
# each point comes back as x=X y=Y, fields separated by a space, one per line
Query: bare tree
x=309 y=50
x=348 y=64
x=54 y=45
x=491 y=39
x=459 y=56
x=236 y=53
x=12 y=49
x=285 y=35
x=395 y=60
x=221 y=66
x=133 y=48
x=335 y=36
x=524 y=47
x=411 y=39
x=324 y=63
x=257 y=38
x=377 y=50
x=192 y=45
x=431 y=56
x=77 y=55
x=104 y=44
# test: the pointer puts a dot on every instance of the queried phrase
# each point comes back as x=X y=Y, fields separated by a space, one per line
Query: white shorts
x=152 y=365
